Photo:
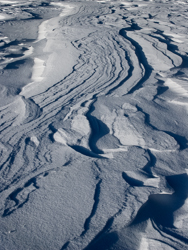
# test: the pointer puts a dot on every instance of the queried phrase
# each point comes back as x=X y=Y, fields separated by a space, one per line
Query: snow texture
x=93 y=125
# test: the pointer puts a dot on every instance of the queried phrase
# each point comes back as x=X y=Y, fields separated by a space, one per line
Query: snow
x=93 y=128
x=175 y=87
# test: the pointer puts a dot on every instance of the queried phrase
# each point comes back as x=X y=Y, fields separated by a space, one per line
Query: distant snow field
x=93 y=121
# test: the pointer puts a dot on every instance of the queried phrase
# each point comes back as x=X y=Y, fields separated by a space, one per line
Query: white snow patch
x=176 y=102
x=66 y=8
x=127 y=3
x=144 y=244
x=126 y=133
x=35 y=140
x=81 y=125
x=175 y=87
x=42 y=31
x=61 y=58
x=38 y=69
x=4 y=17
x=29 y=51
x=150 y=244
x=162 y=150
x=139 y=176
x=129 y=107
x=152 y=182
x=107 y=155
x=120 y=149
x=8 y=1
x=60 y=137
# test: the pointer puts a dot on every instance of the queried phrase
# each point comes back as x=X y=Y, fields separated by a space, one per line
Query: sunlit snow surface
x=94 y=125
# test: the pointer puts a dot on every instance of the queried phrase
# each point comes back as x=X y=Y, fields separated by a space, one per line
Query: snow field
x=93 y=139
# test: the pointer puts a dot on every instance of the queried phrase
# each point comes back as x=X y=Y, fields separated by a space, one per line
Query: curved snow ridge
x=19 y=108
x=156 y=218
x=95 y=112
x=140 y=180
x=167 y=205
x=33 y=110
x=86 y=131
x=156 y=53
x=100 y=74
x=21 y=111
x=156 y=59
x=37 y=72
x=43 y=30
x=76 y=141
x=129 y=126
x=49 y=45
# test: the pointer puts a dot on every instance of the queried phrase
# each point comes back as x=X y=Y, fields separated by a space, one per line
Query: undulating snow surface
x=94 y=125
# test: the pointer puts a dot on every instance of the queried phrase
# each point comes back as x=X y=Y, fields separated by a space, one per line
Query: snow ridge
x=93 y=128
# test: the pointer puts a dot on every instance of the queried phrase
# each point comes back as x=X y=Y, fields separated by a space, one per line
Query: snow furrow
x=96 y=202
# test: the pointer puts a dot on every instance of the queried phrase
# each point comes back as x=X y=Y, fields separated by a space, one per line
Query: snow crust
x=93 y=121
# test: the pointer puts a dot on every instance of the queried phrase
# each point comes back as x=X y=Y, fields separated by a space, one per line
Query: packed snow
x=94 y=135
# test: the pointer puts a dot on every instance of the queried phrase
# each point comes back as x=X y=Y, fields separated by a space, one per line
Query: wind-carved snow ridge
x=93 y=128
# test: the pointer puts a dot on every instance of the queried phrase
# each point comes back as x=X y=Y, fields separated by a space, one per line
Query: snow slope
x=94 y=113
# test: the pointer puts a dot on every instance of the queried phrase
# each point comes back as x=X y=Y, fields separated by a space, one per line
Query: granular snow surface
x=94 y=125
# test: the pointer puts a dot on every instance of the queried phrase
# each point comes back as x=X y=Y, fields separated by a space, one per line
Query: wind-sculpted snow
x=93 y=142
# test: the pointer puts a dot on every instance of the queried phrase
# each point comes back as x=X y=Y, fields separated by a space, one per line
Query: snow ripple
x=106 y=132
